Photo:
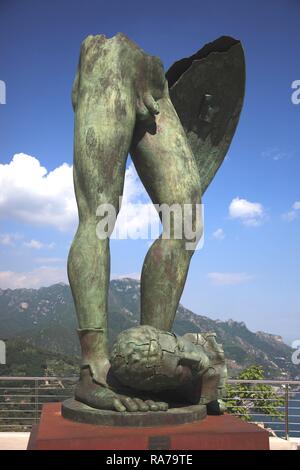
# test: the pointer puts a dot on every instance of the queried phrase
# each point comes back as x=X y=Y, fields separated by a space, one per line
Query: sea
x=278 y=426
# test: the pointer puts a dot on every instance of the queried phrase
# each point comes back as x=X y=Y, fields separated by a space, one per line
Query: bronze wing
x=207 y=91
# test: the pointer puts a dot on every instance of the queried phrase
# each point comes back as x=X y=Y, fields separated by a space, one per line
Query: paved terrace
x=19 y=441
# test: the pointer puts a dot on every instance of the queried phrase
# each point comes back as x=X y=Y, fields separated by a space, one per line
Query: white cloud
x=134 y=190
x=6 y=239
x=292 y=214
x=137 y=213
x=37 y=245
x=42 y=276
x=227 y=279
x=9 y=239
x=296 y=206
x=219 y=234
x=289 y=216
x=31 y=194
x=48 y=260
x=250 y=213
x=275 y=154
x=136 y=276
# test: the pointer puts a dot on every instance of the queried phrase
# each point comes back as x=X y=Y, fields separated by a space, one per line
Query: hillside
x=25 y=360
x=44 y=319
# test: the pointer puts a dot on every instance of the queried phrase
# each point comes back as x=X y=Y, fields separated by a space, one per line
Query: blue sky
x=248 y=269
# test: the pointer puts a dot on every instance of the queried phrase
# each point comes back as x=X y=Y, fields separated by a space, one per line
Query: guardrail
x=275 y=403
x=22 y=399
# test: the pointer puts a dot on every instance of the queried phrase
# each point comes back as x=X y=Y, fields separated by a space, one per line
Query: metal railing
x=273 y=403
x=22 y=399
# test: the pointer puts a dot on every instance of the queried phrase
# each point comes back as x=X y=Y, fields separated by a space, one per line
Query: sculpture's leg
x=105 y=113
x=166 y=166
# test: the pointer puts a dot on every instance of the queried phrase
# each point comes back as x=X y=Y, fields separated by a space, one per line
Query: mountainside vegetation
x=39 y=326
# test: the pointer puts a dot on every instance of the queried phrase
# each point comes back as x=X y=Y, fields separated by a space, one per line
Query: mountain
x=24 y=359
x=44 y=320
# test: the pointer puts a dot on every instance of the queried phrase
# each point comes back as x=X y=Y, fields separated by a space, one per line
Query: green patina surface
x=122 y=104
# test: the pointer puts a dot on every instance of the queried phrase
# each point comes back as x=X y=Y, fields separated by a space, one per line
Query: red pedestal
x=213 y=433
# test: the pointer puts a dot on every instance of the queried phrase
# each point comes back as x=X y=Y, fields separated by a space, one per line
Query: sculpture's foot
x=101 y=397
x=81 y=413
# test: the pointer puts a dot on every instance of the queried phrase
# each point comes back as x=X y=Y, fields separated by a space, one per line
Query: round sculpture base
x=77 y=411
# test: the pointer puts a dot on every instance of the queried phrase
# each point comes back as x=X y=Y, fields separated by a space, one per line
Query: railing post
x=36 y=400
x=286 y=411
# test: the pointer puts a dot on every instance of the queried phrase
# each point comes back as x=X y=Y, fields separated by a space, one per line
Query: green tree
x=246 y=399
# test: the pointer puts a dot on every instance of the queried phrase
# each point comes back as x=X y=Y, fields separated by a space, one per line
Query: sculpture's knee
x=182 y=223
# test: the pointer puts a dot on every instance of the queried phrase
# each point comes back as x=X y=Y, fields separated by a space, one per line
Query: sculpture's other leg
x=105 y=109
x=167 y=168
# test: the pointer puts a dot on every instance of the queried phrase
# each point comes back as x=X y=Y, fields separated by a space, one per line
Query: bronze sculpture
x=177 y=128
x=155 y=361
